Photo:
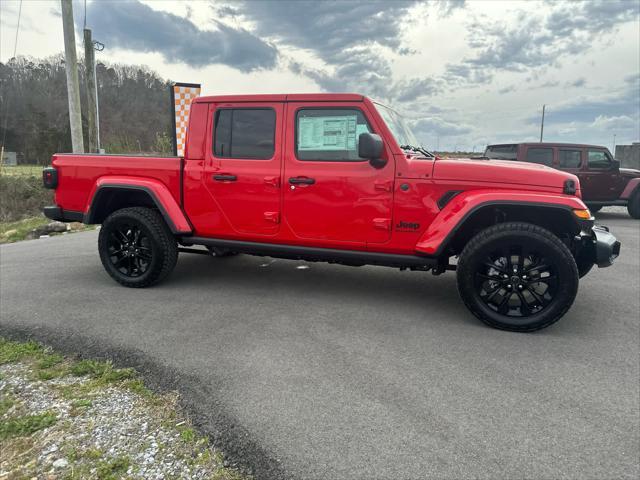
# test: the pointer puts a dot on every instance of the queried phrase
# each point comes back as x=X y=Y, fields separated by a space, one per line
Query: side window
x=329 y=134
x=543 y=156
x=570 y=158
x=502 y=152
x=245 y=133
x=598 y=160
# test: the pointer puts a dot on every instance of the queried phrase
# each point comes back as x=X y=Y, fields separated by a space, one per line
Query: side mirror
x=371 y=146
x=615 y=164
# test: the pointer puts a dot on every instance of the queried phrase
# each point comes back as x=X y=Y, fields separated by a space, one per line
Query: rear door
x=570 y=159
x=541 y=155
x=332 y=196
x=242 y=170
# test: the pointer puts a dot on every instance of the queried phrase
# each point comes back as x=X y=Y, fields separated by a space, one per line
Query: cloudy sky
x=466 y=73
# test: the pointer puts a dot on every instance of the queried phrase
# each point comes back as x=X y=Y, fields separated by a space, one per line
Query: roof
x=294 y=97
x=547 y=144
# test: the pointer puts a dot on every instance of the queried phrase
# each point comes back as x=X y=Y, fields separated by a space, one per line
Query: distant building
x=10 y=158
x=629 y=155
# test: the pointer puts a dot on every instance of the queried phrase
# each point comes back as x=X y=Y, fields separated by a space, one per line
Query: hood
x=500 y=171
x=630 y=172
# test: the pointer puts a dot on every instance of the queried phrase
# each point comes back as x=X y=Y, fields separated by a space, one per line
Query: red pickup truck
x=338 y=178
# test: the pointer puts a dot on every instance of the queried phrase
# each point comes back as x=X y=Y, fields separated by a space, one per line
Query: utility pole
x=542 y=124
x=90 y=82
x=614 y=145
x=73 y=87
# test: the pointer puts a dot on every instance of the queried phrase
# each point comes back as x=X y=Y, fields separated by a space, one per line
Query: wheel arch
x=455 y=230
x=631 y=188
x=109 y=196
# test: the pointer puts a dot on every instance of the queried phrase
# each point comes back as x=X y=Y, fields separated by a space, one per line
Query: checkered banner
x=182 y=94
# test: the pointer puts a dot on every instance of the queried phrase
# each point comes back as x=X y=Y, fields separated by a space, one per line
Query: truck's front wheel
x=517 y=276
x=136 y=247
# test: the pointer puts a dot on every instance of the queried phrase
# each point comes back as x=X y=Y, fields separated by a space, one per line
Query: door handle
x=382 y=186
x=273 y=181
x=225 y=178
x=302 y=181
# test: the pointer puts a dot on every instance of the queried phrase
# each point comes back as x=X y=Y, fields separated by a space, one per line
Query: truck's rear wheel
x=136 y=247
x=517 y=276
x=633 y=207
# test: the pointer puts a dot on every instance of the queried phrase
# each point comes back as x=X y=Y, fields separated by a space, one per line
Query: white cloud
x=476 y=73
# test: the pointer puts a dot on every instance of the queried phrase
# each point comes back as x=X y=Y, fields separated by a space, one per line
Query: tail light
x=50 y=177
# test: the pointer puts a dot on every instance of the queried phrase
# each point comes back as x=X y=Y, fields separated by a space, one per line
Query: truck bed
x=79 y=173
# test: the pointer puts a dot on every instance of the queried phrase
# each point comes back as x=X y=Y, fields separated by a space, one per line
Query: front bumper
x=607 y=247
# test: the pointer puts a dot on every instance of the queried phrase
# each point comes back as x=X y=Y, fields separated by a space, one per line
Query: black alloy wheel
x=129 y=248
x=516 y=281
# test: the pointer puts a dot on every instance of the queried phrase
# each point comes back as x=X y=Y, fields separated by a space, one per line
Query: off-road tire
x=535 y=238
x=161 y=242
x=633 y=207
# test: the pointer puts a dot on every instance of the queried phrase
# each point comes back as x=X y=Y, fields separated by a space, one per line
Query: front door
x=331 y=195
x=242 y=170
x=600 y=180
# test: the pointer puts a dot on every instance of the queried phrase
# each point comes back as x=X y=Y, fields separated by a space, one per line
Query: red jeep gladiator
x=338 y=178
x=602 y=181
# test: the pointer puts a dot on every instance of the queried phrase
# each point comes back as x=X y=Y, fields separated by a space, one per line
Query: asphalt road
x=332 y=372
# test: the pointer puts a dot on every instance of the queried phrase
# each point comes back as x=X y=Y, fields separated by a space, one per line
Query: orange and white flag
x=182 y=94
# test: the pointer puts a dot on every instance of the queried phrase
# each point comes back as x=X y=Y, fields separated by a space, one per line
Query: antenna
x=542 y=124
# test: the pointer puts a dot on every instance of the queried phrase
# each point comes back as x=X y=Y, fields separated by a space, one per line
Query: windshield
x=397 y=125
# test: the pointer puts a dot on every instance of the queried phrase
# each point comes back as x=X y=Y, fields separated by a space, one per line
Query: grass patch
x=49 y=360
x=6 y=402
x=113 y=469
x=16 y=231
x=20 y=229
x=103 y=372
x=48 y=365
x=187 y=434
x=22 y=171
x=83 y=402
x=17 y=351
x=22 y=196
x=25 y=425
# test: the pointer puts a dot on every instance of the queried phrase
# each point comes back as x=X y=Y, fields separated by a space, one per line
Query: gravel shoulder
x=62 y=418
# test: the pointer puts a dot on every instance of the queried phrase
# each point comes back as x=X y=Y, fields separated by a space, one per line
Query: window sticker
x=327 y=133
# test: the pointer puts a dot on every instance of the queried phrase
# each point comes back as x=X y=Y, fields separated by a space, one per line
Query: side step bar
x=296 y=252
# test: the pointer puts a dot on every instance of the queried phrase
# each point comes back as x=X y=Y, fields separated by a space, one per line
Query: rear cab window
x=244 y=133
x=598 y=159
x=502 y=152
x=541 y=155
x=329 y=134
